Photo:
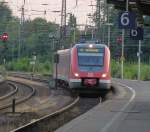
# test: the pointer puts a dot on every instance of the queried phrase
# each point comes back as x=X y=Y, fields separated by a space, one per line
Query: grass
x=46 y=68
x=130 y=70
x=24 y=65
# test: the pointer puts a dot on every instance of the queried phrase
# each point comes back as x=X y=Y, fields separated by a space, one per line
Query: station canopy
x=141 y=7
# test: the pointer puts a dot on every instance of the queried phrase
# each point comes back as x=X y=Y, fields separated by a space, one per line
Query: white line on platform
x=109 y=124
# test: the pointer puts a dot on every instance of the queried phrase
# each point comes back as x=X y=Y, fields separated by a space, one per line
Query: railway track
x=54 y=120
x=34 y=125
x=12 y=92
x=18 y=93
x=33 y=77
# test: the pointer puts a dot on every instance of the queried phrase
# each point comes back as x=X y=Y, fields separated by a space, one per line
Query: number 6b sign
x=127 y=20
x=137 y=33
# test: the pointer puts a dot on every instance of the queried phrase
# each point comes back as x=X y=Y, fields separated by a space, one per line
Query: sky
x=80 y=11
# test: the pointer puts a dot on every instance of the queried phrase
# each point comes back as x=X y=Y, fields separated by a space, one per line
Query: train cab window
x=90 y=58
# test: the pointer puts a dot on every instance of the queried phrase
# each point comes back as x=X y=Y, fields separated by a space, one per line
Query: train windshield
x=91 y=56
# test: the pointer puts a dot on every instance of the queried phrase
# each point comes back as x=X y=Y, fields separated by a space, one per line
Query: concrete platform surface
x=129 y=112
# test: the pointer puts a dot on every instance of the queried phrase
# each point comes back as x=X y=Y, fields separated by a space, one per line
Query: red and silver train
x=85 y=67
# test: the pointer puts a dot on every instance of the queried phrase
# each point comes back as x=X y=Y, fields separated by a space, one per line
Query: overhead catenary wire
x=30 y=5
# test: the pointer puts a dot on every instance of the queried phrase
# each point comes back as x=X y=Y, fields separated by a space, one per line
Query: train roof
x=88 y=44
x=63 y=51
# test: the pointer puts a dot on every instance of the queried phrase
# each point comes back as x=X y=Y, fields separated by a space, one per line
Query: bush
x=19 y=65
x=46 y=68
x=24 y=65
x=130 y=70
x=145 y=72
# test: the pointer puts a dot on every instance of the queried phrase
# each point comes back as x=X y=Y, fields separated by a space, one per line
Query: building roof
x=141 y=7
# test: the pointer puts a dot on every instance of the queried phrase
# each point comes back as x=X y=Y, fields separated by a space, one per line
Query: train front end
x=90 y=67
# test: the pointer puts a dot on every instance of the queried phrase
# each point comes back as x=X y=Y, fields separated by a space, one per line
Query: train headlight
x=90 y=46
x=76 y=75
x=104 y=75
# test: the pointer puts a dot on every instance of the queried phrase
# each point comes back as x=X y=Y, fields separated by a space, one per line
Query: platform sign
x=91 y=50
x=127 y=20
x=137 y=33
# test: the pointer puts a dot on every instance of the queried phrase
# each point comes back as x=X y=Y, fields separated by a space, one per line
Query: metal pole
x=108 y=26
x=44 y=14
x=74 y=36
x=98 y=20
x=52 y=50
x=56 y=75
x=122 y=55
x=92 y=34
x=63 y=21
x=76 y=2
x=103 y=34
x=56 y=69
x=127 y=5
x=19 y=46
x=13 y=105
x=123 y=37
x=21 y=30
x=139 y=61
x=109 y=36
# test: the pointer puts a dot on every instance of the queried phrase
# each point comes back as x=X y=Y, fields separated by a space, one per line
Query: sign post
x=126 y=21
x=139 y=61
x=137 y=34
x=122 y=54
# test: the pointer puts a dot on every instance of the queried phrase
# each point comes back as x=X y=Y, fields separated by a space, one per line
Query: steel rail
x=21 y=100
x=23 y=75
x=36 y=123
x=10 y=93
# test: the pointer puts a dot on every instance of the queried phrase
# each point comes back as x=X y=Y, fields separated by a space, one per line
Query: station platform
x=124 y=113
x=101 y=117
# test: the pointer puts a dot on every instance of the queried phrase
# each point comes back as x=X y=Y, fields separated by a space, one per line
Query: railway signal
x=119 y=40
x=56 y=61
x=4 y=37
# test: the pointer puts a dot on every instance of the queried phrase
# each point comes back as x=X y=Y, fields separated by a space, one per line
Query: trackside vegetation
x=41 y=38
x=46 y=68
x=130 y=70
x=24 y=65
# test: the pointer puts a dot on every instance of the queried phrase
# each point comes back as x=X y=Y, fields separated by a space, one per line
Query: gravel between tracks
x=49 y=124
x=59 y=95
x=44 y=101
x=5 y=88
